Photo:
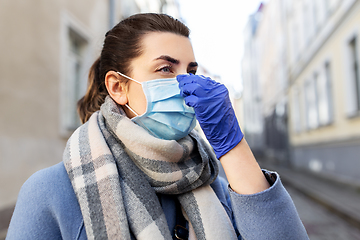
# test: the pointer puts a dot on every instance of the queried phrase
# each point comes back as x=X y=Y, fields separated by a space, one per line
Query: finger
x=208 y=83
x=191 y=101
x=185 y=79
x=181 y=76
x=193 y=89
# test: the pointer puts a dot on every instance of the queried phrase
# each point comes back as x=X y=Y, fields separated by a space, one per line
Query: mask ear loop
x=126 y=105
x=123 y=75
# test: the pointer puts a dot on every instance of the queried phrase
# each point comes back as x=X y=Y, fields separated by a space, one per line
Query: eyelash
x=165 y=67
x=169 y=67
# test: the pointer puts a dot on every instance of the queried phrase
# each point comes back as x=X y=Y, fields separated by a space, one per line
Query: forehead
x=156 y=44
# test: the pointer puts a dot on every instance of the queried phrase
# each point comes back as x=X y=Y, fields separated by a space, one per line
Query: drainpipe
x=162 y=4
x=111 y=13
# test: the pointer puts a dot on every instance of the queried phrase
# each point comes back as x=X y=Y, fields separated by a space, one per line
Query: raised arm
x=216 y=116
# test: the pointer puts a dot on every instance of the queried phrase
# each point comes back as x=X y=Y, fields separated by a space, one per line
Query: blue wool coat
x=47 y=208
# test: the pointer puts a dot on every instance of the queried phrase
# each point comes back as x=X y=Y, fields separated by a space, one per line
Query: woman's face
x=165 y=55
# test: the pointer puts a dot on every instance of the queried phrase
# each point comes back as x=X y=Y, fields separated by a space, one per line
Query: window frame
x=72 y=27
x=351 y=94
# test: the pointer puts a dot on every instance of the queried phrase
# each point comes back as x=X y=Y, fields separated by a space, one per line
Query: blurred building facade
x=265 y=82
x=253 y=121
x=270 y=41
x=324 y=93
x=307 y=59
x=47 y=48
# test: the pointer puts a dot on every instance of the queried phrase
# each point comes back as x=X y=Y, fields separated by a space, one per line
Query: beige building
x=46 y=50
x=307 y=66
x=324 y=94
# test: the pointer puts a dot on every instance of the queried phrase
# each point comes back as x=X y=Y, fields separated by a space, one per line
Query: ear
x=116 y=88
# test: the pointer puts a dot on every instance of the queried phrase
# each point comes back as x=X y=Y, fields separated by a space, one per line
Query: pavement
x=5 y=216
x=341 y=199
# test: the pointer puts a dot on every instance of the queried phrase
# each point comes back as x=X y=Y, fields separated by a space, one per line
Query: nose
x=182 y=74
x=182 y=71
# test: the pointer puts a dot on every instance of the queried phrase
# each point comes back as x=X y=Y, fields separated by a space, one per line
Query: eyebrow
x=168 y=58
x=174 y=61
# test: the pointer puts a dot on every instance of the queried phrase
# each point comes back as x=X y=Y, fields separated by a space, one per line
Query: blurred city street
x=320 y=223
x=328 y=209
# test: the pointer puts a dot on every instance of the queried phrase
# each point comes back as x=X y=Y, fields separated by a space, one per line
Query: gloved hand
x=213 y=110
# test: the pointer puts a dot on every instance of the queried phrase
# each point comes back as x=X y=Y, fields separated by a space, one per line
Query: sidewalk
x=5 y=216
x=338 y=198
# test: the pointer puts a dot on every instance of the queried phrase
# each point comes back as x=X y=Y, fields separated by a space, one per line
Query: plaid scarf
x=116 y=168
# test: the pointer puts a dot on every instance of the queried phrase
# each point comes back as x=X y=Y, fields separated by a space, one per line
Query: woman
x=136 y=169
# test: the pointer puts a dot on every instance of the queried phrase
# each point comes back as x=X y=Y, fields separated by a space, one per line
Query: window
x=352 y=80
x=321 y=10
x=333 y=4
x=306 y=23
x=74 y=77
x=329 y=91
x=295 y=111
x=324 y=99
x=295 y=43
x=327 y=7
x=76 y=59
x=315 y=15
x=318 y=98
x=311 y=101
x=354 y=64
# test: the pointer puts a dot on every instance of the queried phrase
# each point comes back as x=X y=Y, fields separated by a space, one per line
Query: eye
x=165 y=69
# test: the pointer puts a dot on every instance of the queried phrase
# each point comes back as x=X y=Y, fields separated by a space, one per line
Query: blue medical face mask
x=167 y=116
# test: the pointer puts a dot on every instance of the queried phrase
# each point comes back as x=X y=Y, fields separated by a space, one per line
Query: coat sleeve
x=270 y=214
x=46 y=208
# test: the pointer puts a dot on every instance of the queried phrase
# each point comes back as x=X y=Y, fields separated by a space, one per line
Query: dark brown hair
x=121 y=45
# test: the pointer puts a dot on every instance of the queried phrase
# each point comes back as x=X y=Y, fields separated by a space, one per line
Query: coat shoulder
x=45 y=204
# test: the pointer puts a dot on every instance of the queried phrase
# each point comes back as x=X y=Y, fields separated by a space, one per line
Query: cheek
x=137 y=99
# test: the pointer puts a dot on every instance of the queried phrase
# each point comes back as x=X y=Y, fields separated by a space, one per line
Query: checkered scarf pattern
x=116 y=168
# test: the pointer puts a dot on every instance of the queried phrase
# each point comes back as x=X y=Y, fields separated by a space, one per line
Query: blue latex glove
x=213 y=110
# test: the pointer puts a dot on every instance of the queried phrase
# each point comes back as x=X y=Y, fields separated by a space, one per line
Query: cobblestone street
x=320 y=223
